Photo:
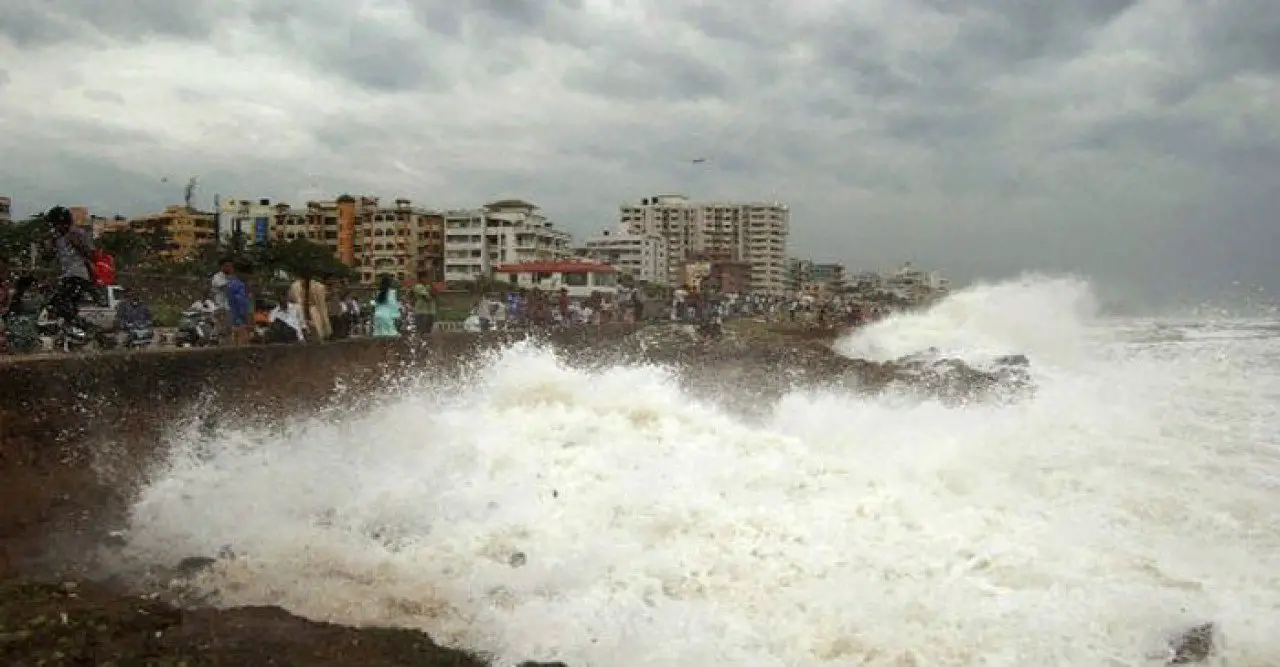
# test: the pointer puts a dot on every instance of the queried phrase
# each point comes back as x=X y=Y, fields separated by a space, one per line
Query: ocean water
x=608 y=518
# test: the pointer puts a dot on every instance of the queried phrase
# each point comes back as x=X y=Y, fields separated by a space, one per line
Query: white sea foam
x=1137 y=493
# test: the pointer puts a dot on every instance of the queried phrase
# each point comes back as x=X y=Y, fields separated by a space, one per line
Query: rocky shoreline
x=82 y=623
x=769 y=359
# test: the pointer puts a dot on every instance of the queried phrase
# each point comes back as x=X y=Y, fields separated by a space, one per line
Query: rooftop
x=509 y=203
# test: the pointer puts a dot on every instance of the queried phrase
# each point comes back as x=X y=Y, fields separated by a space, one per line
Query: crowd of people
x=304 y=310
x=700 y=306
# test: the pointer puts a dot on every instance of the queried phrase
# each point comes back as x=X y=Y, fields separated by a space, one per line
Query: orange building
x=346 y=209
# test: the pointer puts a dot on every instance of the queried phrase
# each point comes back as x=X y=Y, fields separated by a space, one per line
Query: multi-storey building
x=250 y=220
x=751 y=232
x=403 y=241
x=331 y=223
x=6 y=209
x=510 y=231
x=797 y=274
x=100 y=225
x=829 y=274
x=188 y=228
x=644 y=258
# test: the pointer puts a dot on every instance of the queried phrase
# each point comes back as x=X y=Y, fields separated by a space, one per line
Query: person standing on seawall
x=424 y=308
x=386 y=310
x=239 y=307
x=218 y=295
x=74 y=249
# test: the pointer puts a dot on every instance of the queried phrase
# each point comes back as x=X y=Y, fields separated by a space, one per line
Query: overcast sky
x=1136 y=142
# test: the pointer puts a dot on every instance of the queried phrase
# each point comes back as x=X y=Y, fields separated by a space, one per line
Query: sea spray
x=1132 y=496
x=1045 y=319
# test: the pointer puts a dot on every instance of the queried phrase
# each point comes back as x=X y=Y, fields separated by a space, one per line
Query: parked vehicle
x=98 y=309
x=139 y=336
x=197 y=328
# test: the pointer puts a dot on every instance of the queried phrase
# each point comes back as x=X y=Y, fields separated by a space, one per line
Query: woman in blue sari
x=386 y=310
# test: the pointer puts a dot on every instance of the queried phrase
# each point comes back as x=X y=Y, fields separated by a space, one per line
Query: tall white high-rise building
x=503 y=232
x=751 y=232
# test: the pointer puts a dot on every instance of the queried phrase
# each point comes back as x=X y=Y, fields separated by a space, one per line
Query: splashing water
x=610 y=518
x=1035 y=316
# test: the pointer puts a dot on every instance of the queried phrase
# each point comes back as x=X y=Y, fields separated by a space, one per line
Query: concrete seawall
x=76 y=432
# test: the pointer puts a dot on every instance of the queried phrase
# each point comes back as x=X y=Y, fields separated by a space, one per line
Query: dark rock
x=518 y=559
x=45 y=624
x=1013 y=360
x=193 y=565
x=770 y=360
x=1193 y=645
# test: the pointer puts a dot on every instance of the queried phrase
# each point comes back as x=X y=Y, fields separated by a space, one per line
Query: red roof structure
x=555 y=267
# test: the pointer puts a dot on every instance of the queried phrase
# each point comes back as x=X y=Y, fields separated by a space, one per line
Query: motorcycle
x=72 y=337
x=137 y=336
x=197 y=328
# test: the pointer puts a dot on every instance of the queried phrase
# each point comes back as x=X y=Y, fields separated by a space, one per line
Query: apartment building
x=188 y=228
x=251 y=220
x=6 y=209
x=797 y=274
x=751 y=232
x=829 y=274
x=331 y=223
x=644 y=258
x=404 y=241
x=510 y=231
x=100 y=225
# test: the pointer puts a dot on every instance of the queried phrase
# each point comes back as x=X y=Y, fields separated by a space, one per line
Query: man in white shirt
x=218 y=295
x=677 y=303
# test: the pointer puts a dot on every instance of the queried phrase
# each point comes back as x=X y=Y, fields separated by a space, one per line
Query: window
x=575 y=279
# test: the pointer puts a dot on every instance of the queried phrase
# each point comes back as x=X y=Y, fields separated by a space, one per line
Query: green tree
x=16 y=239
x=301 y=259
x=158 y=238
x=128 y=247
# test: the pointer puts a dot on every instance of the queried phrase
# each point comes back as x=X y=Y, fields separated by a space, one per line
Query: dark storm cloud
x=1008 y=32
x=1241 y=36
x=656 y=74
x=367 y=56
x=373 y=52
x=982 y=138
x=41 y=22
x=495 y=23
